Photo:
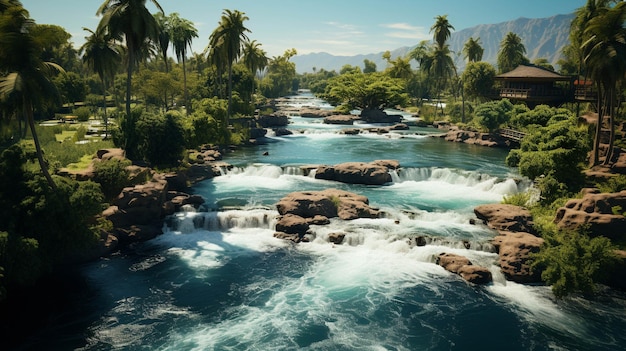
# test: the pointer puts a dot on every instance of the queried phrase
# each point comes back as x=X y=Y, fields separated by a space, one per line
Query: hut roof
x=527 y=72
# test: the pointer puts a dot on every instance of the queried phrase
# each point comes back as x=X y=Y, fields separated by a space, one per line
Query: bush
x=613 y=185
x=113 y=176
x=82 y=113
x=573 y=262
x=491 y=115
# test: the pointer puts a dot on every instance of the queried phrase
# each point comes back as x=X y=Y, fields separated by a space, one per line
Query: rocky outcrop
x=475 y=138
x=379 y=116
x=299 y=210
x=372 y=173
x=515 y=240
x=514 y=250
x=308 y=112
x=602 y=213
x=273 y=120
x=463 y=266
x=505 y=217
x=341 y=119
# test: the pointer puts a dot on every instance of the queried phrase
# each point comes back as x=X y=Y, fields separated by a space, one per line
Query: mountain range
x=542 y=37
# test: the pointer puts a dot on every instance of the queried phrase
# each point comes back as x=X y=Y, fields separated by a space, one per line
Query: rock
x=389 y=164
x=282 y=131
x=329 y=203
x=514 y=249
x=108 y=154
x=296 y=238
x=308 y=112
x=462 y=266
x=379 y=116
x=355 y=173
x=352 y=131
x=336 y=238
x=515 y=241
x=341 y=119
x=506 y=217
x=602 y=213
x=475 y=138
x=420 y=241
x=257 y=133
x=292 y=224
x=299 y=210
x=273 y=120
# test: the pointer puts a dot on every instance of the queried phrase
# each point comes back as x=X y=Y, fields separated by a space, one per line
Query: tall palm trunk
x=28 y=111
x=230 y=93
x=187 y=107
x=104 y=107
x=595 y=156
x=611 y=113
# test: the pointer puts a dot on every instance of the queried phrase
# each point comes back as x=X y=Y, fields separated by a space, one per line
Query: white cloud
x=406 y=31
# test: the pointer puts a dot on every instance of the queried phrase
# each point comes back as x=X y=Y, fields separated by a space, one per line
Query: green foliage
x=613 y=185
x=478 y=79
x=366 y=91
x=82 y=113
x=553 y=156
x=573 y=262
x=455 y=111
x=491 y=115
x=519 y=199
x=41 y=227
x=81 y=131
x=112 y=175
x=161 y=138
x=540 y=115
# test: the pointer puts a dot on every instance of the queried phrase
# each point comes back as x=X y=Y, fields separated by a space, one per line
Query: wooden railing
x=512 y=134
x=514 y=93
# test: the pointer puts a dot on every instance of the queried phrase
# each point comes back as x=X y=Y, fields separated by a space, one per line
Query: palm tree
x=183 y=32
x=131 y=20
x=472 y=50
x=103 y=56
x=441 y=30
x=255 y=59
x=511 y=53
x=226 y=39
x=28 y=79
x=605 y=63
x=165 y=33
x=441 y=66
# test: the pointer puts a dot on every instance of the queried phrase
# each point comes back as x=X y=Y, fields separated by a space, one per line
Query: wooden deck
x=512 y=134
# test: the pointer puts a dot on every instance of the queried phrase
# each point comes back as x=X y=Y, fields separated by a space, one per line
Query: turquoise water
x=218 y=279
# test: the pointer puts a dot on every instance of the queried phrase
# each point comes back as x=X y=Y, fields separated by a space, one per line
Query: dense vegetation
x=155 y=107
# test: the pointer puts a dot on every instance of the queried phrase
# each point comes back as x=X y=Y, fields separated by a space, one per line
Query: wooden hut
x=535 y=86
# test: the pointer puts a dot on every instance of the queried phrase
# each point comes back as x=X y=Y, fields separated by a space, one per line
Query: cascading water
x=217 y=279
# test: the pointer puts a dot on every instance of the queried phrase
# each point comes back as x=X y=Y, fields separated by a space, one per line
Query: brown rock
x=292 y=224
x=602 y=213
x=506 y=217
x=514 y=251
x=462 y=266
x=341 y=119
x=355 y=173
x=336 y=238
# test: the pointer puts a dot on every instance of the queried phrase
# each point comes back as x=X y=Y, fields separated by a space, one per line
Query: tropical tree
x=512 y=53
x=182 y=33
x=226 y=42
x=369 y=66
x=254 y=58
x=441 y=30
x=130 y=20
x=165 y=34
x=472 y=50
x=398 y=68
x=27 y=80
x=605 y=63
x=478 y=79
x=102 y=55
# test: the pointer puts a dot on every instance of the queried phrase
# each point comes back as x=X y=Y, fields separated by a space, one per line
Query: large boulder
x=299 y=210
x=514 y=251
x=602 y=213
x=341 y=119
x=506 y=217
x=355 y=173
x=462 y=266
x=475 y=138
x=515 y=242
x=273 y=120
x=379 y=116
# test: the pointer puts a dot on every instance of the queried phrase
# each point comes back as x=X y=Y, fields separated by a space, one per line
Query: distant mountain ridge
x=542 y=37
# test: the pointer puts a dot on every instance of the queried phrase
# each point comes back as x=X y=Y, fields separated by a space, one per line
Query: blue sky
x=338 y=27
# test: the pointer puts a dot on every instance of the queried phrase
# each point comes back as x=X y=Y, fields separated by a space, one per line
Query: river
x=217 y=279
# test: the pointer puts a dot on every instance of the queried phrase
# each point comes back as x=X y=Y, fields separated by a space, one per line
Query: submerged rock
x=462 y=266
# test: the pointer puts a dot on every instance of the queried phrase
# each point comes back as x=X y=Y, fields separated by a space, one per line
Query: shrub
x=82 y=113
x=491 y=115
x=573 y=262
x=113 y=176
x=613 y=185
